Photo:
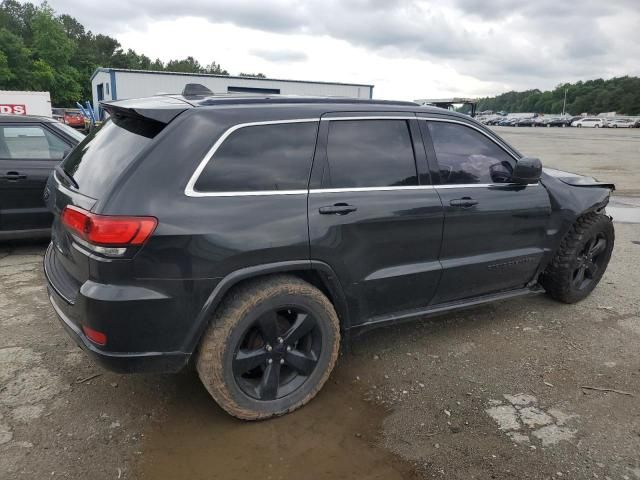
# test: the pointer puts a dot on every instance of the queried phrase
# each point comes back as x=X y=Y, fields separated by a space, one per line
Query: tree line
x=619 y=94
x=41 y=50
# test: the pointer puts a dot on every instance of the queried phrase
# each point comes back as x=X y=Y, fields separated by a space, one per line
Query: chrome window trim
x=371 y=189
x=427 y=119
x=190 y=190
x=485 y=185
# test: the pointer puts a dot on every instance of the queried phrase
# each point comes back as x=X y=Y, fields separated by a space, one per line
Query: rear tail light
x=106 y=234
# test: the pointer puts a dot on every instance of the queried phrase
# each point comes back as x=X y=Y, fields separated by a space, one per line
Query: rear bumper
x=138 y=362
x=122 y=321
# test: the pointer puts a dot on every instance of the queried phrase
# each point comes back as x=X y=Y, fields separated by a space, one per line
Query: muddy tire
x=270 y=347
x=581 y=260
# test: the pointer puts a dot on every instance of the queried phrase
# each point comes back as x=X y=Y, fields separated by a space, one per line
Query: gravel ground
x=493 y=392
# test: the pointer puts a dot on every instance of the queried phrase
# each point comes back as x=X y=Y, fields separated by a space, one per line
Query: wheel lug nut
x=280 y=340
x=270 y=361
x=268 y=348
x=288 y=348
x=282 y=361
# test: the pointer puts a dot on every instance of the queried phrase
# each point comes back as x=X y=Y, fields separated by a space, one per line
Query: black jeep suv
x=252 y=233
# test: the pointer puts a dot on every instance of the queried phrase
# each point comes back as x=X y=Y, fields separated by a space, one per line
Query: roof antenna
x=196 y=90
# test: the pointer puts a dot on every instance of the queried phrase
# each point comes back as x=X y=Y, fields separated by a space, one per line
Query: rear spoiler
x=160 y=109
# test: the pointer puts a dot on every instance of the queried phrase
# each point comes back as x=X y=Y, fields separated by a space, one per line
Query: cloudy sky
x=408 y=49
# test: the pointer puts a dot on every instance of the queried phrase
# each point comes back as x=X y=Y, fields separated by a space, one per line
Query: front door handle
x=337 y=209
x=12 y=176
x=464 y=202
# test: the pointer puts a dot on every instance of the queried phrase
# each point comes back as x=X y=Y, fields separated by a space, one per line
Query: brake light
x=108 y=229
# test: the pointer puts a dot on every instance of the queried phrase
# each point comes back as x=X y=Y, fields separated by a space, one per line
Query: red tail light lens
x=106 y=229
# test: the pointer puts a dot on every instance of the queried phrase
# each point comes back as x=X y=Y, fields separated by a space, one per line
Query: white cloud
x=408 y=49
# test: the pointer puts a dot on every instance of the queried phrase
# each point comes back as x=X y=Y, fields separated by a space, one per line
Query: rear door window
x=32 y=142
x=102 y=156
x=369 y=153
x=271 y=157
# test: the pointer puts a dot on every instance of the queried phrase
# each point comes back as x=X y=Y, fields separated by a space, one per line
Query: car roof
x=164 y=107
x=25 y=119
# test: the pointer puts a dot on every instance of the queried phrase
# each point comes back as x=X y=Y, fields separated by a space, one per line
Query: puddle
x=624 y=209
x=334 y=436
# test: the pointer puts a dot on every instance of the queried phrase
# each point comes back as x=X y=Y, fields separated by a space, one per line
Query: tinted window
x=102 y=156
x=467 y=156
x=30 y=142
x=369 y=153
x=262 y=157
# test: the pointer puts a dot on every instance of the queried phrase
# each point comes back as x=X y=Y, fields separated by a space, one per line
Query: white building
x=120 y=84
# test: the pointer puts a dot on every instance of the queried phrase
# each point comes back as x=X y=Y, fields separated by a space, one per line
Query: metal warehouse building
x=120 y=84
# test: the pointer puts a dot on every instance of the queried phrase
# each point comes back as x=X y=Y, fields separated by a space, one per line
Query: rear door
x=373 y=215
x=28 y=153
x=494 y=230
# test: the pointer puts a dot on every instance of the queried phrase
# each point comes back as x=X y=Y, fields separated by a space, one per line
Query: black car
x=252 y=234
x=526 y=122
x=559 y=122
x=30 y=147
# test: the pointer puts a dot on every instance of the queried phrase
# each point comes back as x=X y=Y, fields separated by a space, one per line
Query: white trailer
x=25 y=103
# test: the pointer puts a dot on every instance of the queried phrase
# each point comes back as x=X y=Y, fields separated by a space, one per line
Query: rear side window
x=30 y=142
x=102 y=156
x=369 y=153
x=466 y=156
x=261 y=158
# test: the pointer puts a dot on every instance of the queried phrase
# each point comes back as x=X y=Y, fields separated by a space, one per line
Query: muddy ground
x=493 y=392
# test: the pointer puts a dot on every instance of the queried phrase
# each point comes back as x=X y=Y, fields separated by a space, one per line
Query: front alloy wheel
x=590 y=261
x=581 y=259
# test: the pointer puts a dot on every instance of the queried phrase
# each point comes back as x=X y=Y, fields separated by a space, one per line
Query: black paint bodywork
x=23 y=213
x=402 y=254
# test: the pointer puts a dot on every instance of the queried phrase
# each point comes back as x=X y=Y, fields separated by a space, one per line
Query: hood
x=576 y=180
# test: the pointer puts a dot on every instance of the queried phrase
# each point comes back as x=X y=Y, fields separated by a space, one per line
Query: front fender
x=571 y=197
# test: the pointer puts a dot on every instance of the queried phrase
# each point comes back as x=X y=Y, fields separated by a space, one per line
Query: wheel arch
x=318 y=274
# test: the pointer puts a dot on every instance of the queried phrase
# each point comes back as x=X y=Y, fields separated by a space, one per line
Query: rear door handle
x=337 y=209
x=464 y=202
x=13 y=176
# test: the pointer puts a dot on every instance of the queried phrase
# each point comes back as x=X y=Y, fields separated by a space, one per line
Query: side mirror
x=527 y=170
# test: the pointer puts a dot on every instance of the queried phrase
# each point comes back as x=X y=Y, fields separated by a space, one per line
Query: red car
x=74 y=119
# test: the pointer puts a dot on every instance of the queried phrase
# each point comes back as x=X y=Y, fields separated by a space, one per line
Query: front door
x=372 y=217
x=28 y=153
x=494 y=231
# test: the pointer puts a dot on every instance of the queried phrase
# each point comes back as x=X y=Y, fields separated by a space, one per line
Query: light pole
x=564 y=104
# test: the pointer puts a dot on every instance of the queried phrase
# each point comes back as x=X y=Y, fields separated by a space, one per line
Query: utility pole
x=564 y=105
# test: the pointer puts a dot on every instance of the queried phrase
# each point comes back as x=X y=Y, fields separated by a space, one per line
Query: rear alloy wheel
x=581 y=260
x=270 y=348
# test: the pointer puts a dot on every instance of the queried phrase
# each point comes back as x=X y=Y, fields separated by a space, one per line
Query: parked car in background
x=70 y=116
x=30 y=147
x=251 y=234
x=558 y=122
x=526 y=122
x=494 y=120
x=620 y=123
x=74 y=119
x=589 y=122
x=507 y=122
